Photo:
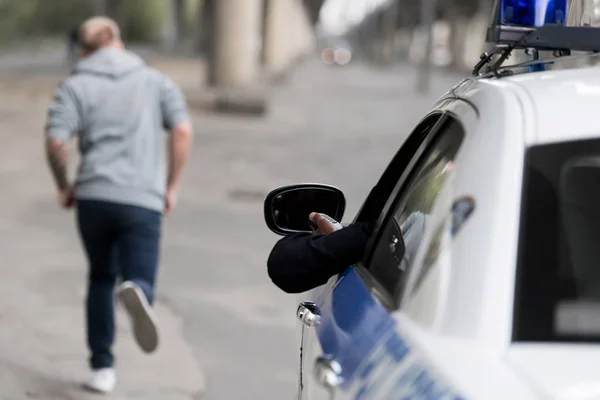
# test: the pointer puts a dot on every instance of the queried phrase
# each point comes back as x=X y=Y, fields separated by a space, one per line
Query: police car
x=500 y=298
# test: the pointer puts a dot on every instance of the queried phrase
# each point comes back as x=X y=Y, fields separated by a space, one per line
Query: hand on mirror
x=324 y=225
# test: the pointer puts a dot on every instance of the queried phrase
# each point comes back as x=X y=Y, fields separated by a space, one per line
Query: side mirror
x=287 y=209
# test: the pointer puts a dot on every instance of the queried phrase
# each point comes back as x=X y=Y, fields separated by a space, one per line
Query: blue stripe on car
x=352 y=323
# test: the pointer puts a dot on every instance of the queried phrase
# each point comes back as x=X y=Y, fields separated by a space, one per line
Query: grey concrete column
x=237 y=42
x=288 y=35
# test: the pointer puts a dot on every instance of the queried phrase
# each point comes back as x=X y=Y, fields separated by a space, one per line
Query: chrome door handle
x=308 y=313
x=328 y=372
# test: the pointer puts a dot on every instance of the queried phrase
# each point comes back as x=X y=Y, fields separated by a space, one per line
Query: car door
x=351 y=314
x=370 y=210
x=399 y=367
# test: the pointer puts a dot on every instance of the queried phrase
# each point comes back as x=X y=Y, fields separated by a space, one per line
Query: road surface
x=228 y=332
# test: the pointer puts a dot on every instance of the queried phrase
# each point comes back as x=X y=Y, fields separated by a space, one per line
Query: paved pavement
x=228 y=332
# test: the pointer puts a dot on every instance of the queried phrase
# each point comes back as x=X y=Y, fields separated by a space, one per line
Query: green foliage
x=41 y=17
x=191 y=16
x=141 y=20
x=58 y=16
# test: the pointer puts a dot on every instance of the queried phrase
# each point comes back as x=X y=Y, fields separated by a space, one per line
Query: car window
x=558 y=286
x=377 y=199
x=449 y=216
x=431 y=255
x=404 y=228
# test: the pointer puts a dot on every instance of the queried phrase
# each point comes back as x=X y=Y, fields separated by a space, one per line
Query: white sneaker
x=142 y=316
x=102 y=380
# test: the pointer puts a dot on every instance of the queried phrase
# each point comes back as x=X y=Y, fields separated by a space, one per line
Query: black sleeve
x=304 y=261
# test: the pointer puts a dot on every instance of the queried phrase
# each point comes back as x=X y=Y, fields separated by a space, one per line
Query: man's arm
x=180 y=144
x=176 y=120
x=63 y=122
x=57 y=155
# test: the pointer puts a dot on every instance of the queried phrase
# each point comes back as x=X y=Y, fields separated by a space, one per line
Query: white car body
x=452 y=338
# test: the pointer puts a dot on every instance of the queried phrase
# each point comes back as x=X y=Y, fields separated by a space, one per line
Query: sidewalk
x=42 y=337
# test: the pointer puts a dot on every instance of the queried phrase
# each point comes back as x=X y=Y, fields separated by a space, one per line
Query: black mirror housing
x=287 y=208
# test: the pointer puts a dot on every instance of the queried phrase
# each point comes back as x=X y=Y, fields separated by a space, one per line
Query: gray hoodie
x=119 y=108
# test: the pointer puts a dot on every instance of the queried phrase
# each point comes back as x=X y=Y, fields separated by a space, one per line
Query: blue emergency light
x=533 y=12
x=534 y=26
x=541 y=25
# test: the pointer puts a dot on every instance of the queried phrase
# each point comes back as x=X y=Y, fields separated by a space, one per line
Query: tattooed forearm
x=57 y=153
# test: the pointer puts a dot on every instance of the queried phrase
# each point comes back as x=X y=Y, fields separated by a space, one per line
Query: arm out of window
x=304 y=261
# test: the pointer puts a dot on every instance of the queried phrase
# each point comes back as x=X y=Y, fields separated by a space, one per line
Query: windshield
x=558 y=282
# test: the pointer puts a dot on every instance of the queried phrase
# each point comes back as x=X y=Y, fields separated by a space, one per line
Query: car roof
x=562 y=105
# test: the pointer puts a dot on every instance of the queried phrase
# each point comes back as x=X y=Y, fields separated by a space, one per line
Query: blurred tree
x=190 y=17
x=140 y=20
x=180 y=7
x=114 y=9
x=207 y=25
x=173 y=23
x=52 y=18
x=35 y=18
x=15 y=15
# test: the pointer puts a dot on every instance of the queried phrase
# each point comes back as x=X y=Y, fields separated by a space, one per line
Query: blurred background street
x=273 y=103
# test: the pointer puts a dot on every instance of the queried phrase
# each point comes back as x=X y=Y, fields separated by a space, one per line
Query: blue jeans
x=120 y=241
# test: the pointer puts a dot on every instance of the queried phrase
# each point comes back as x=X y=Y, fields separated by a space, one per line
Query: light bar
x=533 y=12
x=541 y=25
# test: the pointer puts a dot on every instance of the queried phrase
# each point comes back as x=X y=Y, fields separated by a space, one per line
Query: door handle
x=328 y=372
x=308 y=313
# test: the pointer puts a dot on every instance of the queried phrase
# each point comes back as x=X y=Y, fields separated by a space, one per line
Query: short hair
x=98 y=32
